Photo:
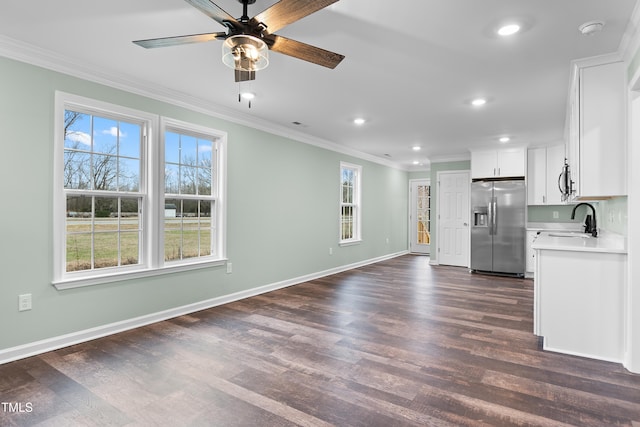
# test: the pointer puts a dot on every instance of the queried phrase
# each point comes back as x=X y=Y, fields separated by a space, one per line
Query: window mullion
x=154 y=202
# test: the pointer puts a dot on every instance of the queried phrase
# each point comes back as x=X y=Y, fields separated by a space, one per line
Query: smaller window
x=191 y=193
x=350 y=209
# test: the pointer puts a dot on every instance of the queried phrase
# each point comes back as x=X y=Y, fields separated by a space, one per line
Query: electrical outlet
x=556 y=215
x=24 y=302
x=229 y=268
x=387 y=240
x=330 y=251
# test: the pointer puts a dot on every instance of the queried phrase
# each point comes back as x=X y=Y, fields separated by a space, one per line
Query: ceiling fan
x=248 y=40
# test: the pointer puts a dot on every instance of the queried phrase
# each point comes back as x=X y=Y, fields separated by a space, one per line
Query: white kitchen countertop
x=574 y=241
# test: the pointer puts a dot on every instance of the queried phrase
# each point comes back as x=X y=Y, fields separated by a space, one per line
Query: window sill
x=350 y=242
x=135 y=274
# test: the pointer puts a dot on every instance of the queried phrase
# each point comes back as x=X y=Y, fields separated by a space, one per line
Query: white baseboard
x=579 y=354
x=54 y=343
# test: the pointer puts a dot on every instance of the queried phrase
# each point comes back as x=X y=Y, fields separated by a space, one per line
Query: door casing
x=415 y=246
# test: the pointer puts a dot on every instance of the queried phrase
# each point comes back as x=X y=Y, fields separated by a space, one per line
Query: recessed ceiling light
x=359 y=121
x=415 y=162
x=505 y=139
x=508 y=30
x=478 y=102
x=416 y=148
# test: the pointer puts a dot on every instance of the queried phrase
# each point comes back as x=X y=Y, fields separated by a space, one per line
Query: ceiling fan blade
x=178 y=40
x=214 y=12
x=303 y=51
x=285 y=12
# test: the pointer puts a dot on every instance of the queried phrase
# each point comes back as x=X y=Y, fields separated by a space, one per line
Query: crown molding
x=451 y=158
x=33 y=55
x=630 y=42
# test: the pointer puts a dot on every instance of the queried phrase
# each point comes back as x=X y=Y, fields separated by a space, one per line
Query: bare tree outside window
x=101 y=156
x=189 y=201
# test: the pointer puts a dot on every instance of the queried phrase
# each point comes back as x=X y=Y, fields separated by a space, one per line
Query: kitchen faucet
x=590 y=227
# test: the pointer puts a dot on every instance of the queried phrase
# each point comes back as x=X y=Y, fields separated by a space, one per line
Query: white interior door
x=420 y=216
x=453 y=218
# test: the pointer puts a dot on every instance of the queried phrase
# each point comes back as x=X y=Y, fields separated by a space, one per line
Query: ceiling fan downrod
x=245 y=10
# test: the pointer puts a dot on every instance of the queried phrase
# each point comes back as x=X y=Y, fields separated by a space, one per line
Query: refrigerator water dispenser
x=480 y=217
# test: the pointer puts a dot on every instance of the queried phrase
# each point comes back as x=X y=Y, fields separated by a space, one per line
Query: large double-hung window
x=134 y=194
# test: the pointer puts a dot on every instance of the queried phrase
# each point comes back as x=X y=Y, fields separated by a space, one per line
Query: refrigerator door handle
x=490 y=217
x=494 y=216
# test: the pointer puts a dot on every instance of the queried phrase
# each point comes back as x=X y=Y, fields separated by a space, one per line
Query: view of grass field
x=102 y=174
x=117 y=241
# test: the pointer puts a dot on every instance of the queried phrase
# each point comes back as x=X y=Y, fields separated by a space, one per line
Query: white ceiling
x=411 y=66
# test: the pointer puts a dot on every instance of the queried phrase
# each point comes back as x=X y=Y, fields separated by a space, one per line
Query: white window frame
x=151 y=261
x=356 y=204
x=218 y=190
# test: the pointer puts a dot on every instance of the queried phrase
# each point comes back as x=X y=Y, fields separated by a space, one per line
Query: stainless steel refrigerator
x=498 y=229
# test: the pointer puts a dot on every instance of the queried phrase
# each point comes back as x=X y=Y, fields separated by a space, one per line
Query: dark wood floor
x=392 y=344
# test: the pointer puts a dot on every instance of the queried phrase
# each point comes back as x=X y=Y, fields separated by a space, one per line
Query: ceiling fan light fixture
x=245 y=53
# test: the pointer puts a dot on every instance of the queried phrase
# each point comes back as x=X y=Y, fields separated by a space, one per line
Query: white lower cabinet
x=530 y=264
x=579 y=302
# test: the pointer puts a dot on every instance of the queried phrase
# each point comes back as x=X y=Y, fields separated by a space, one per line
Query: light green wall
x=545 y=213
x=282 y=214
x=420 y=175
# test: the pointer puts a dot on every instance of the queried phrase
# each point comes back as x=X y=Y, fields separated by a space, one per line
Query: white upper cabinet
x=508 y=162
x=597 y=131
x=537 y=176
x=555 y=161
x=483 y=164
x=544 y=165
